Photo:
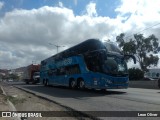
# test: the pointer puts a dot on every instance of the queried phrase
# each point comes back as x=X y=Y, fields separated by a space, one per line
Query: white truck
x=36 y=77
x=31 y=74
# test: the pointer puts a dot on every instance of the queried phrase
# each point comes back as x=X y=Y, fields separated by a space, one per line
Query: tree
x=143 y=48
x=14 y=76
x=135 y=74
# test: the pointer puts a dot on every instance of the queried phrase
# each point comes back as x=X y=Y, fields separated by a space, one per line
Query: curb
x=11 y=106
x=76 y=113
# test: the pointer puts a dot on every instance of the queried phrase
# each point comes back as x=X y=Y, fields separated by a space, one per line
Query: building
x=153 y=73
x=3 y=74
x=19 y=72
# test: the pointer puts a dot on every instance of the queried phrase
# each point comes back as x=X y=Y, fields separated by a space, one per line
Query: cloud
x=139 y=15
x=60 y=4
x=25 y=34
x=139 y=7
x=1 y=5
x=91 y=9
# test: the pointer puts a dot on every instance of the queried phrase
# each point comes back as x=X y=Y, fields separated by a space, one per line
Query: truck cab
x=36 y=77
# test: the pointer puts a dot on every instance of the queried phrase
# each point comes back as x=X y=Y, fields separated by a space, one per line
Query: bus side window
x=54 y=72
x=71 y=69
x=93 y=63
x=57 y=72
x=89 y=62
x=74 y=69
x=67 y=70
x=97 y=63
x=49 y=72
x=62 y=71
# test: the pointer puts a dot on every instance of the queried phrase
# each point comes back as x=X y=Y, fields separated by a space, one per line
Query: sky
x=30 y=29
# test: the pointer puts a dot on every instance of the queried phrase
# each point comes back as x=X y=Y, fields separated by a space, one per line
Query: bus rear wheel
x=72 y=84
x=81 y=84
x=46 y=83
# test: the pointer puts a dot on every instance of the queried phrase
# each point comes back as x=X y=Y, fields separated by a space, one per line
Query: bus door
x=92 y=65
x=93 y=62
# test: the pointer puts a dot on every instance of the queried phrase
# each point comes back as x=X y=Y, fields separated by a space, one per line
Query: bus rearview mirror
x=131 y=56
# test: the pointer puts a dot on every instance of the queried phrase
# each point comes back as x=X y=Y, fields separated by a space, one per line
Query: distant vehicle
x=152 y=74
x=148 y=78
x=90 y=64
x=36 y=77
x=30 y=74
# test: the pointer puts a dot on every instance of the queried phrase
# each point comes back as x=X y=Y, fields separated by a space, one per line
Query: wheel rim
x=81 y=84
x=73 y=84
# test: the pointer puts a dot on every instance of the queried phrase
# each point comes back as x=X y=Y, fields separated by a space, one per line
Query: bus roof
x=86 y=46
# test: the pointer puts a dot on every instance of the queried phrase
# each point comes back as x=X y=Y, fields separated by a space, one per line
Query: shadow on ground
x=64 y=92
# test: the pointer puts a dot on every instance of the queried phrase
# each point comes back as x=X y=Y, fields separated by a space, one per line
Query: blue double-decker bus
x=90 y=64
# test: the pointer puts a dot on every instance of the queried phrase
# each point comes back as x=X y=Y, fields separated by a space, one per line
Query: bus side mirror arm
x=131 y=56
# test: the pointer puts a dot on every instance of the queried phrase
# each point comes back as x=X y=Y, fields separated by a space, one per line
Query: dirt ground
x=3 y=104
x=24 y=101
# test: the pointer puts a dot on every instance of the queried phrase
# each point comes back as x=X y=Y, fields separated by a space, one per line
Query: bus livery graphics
x=90 y=64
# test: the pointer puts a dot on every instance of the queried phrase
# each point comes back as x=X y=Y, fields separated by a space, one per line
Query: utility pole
x=33 y=62
x=57 y=46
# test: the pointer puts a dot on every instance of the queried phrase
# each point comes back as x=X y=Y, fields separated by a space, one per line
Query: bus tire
x=43 y=81
x=46 y=82
x=81 y=84
x=72 y=84
x=27 y=82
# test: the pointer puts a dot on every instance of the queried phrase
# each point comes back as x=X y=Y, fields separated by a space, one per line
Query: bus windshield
x=112 y=47
x=115 y=65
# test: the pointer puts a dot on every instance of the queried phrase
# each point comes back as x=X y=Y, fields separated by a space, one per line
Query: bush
x=135 y=74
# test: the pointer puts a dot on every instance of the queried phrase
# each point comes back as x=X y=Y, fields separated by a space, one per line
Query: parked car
x=148 y=79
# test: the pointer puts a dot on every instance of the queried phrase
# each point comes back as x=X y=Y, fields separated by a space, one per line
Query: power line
x=144 y=29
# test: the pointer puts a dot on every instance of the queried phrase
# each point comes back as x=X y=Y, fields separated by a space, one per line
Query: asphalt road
x=131 y=99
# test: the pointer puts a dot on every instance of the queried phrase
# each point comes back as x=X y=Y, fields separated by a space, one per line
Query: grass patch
x=1 y=91
x=15 y=100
